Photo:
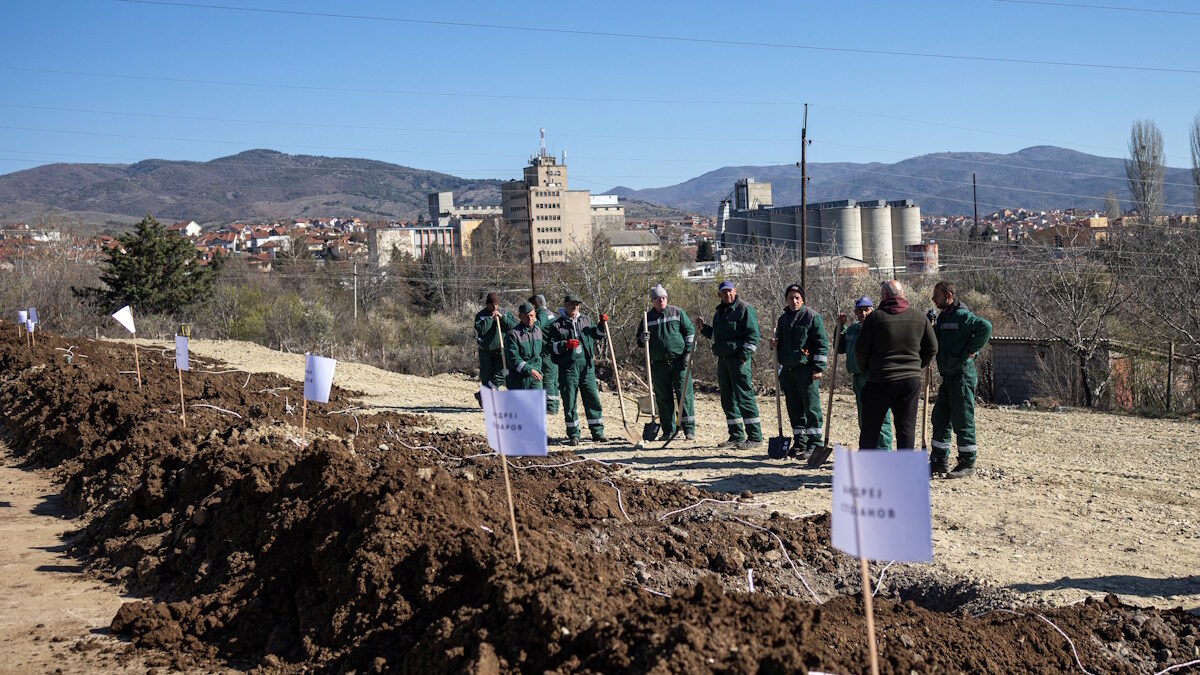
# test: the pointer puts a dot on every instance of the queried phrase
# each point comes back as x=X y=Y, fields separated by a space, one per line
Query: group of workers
x=888 y=347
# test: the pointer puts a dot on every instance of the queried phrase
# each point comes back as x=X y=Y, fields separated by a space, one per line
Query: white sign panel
x=29 y=325
x=181 y=352
x=881 y=505
x=22 y=316
x=318 y=377
x=124 y=316
x=515 y=421
x=33 y=314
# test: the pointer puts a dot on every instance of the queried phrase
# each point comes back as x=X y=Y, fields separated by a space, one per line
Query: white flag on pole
x=318 y=377
x=515 y=420
x=181 y=352
x=881 y=505
x=124 y=316
x=22 y=316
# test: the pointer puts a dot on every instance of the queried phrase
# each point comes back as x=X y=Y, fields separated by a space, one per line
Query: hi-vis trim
x=796 y=431
x=820 y=358
x=592 y=421
x=750 y=420
x=521 y=367
x=573 y=424
x=939 y=445
x=749 y=347
x=553 y=397
x=966 y=449
x=689 y=338
x=948 y=326
x=688 y=418
x=659 y=322
x=734 y=422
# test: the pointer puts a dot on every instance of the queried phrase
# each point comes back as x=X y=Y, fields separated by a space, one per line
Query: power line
x=1079 y=5
x=669 y=38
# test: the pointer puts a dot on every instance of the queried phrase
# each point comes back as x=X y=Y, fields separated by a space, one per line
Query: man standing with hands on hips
x=734 y=333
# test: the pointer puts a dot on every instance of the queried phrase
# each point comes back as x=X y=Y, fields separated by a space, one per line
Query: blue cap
x=725 y=286
x=864 y=301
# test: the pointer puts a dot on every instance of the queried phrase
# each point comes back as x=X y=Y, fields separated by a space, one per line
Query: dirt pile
x=384 y=546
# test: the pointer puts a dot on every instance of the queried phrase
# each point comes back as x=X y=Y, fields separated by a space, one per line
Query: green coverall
x=523 y=347
x=491 y=364
x=549 y=367
x=734 y=332
x=671 y=336
x=960 y=335
x=802 y=349
x=858 y=380
x=577 y=370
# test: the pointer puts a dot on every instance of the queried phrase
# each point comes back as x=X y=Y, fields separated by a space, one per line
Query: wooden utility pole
x=804 y=204
x=975 y=199
x=355 y=292
x=1170 y=373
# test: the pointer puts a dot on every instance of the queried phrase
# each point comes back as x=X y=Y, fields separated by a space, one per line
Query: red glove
x=603 y=318
x=572 y=343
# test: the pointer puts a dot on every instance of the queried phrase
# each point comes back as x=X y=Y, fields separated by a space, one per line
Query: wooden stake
x=137 y=366
x=303 y=420
x=512 y=513
x=868 y=606
x=182 y=407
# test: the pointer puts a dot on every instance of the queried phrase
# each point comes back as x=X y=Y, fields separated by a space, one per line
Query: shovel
x=612 y=354
x=818 y=457
x=778 y=447
x=650 y=431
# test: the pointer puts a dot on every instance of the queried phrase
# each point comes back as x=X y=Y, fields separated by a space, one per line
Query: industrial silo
x=758 y=227
x=842 y=222
x=816 y=236
x=877 y=235
x=906 y=223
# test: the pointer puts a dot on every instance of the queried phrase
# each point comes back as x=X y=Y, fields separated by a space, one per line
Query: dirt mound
x=384 y=546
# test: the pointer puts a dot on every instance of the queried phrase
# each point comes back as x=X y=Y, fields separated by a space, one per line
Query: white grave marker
x=29 y=324
x=33 y=314
x=881 y=505
x=318 y=377
x=22 y=316
x=515 y=421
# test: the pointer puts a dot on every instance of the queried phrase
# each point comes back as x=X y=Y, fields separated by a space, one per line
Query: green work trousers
x=550 y=384
x=802 y=395
x=668 y=386
x=491 y=368
x=579 y=378
x=737 y=399
x=955 y=409
x=885 y=432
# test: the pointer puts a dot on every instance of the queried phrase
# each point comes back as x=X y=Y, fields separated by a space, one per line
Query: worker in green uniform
x=671 y=337
x=549 y=367
x=573 y=344
x=960 y=334
x=489 y=323
x=802 y=349
x=734 y=332
x=858 y=379
x=523 y=348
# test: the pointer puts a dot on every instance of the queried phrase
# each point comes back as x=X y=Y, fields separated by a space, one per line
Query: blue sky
x=116 y=82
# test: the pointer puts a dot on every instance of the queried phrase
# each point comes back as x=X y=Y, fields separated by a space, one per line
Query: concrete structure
x=384 y=242
x=442 y=209
x=561 y=218
x=921 y=258
x=634 y=244
x=873 y=232
x=607 y=214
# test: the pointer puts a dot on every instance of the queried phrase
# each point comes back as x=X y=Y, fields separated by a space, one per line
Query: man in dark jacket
x=549 y=367
x=734 y=332
x=895 y=344
x=670 y=336
x=960 y=336
x=523 y=349
x=490 y=322
x=802 y=349
x=574 y=344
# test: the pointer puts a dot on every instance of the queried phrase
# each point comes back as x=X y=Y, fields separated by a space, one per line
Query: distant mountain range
x=1039 y=178
x=268 y=185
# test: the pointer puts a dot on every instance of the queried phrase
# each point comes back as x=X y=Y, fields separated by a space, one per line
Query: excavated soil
x=383 y=545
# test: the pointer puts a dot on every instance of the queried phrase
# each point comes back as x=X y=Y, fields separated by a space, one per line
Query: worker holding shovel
x=802 y=349
x=669 y=336
x=573 y=346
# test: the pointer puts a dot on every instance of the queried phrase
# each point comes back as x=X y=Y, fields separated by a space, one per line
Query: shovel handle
x=832 y=384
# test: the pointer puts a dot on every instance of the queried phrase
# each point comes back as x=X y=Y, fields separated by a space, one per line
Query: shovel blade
x=818 y=457
x=777 y=448
x=650 y=431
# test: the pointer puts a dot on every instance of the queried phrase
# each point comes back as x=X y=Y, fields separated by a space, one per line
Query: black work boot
x=964 y=468
x=938 y=465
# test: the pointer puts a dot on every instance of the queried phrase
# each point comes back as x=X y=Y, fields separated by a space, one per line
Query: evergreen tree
x=704 y=250
x=155 y=271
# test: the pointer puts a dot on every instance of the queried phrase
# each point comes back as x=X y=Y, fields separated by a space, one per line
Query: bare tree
x=1145 y=169
x=1195 y=138
x=1112 y=207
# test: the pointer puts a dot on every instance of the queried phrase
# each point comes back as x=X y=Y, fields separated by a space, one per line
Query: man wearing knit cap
x=574 y=342
x=490 y=322
x=670 y=335
x=734 y=332
x=524 y=347
x=858 y=379
x=802 y=350
x=549 y=368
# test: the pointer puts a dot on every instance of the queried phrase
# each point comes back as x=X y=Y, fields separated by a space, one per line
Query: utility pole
x=804 y=204
x=529 y=212
x=975 y=199
x=355 y=292
x=1170 y=372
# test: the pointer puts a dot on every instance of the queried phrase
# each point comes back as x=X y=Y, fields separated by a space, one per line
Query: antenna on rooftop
x=542 y=147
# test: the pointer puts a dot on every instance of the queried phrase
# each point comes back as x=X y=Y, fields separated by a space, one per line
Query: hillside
x=1040 y=178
